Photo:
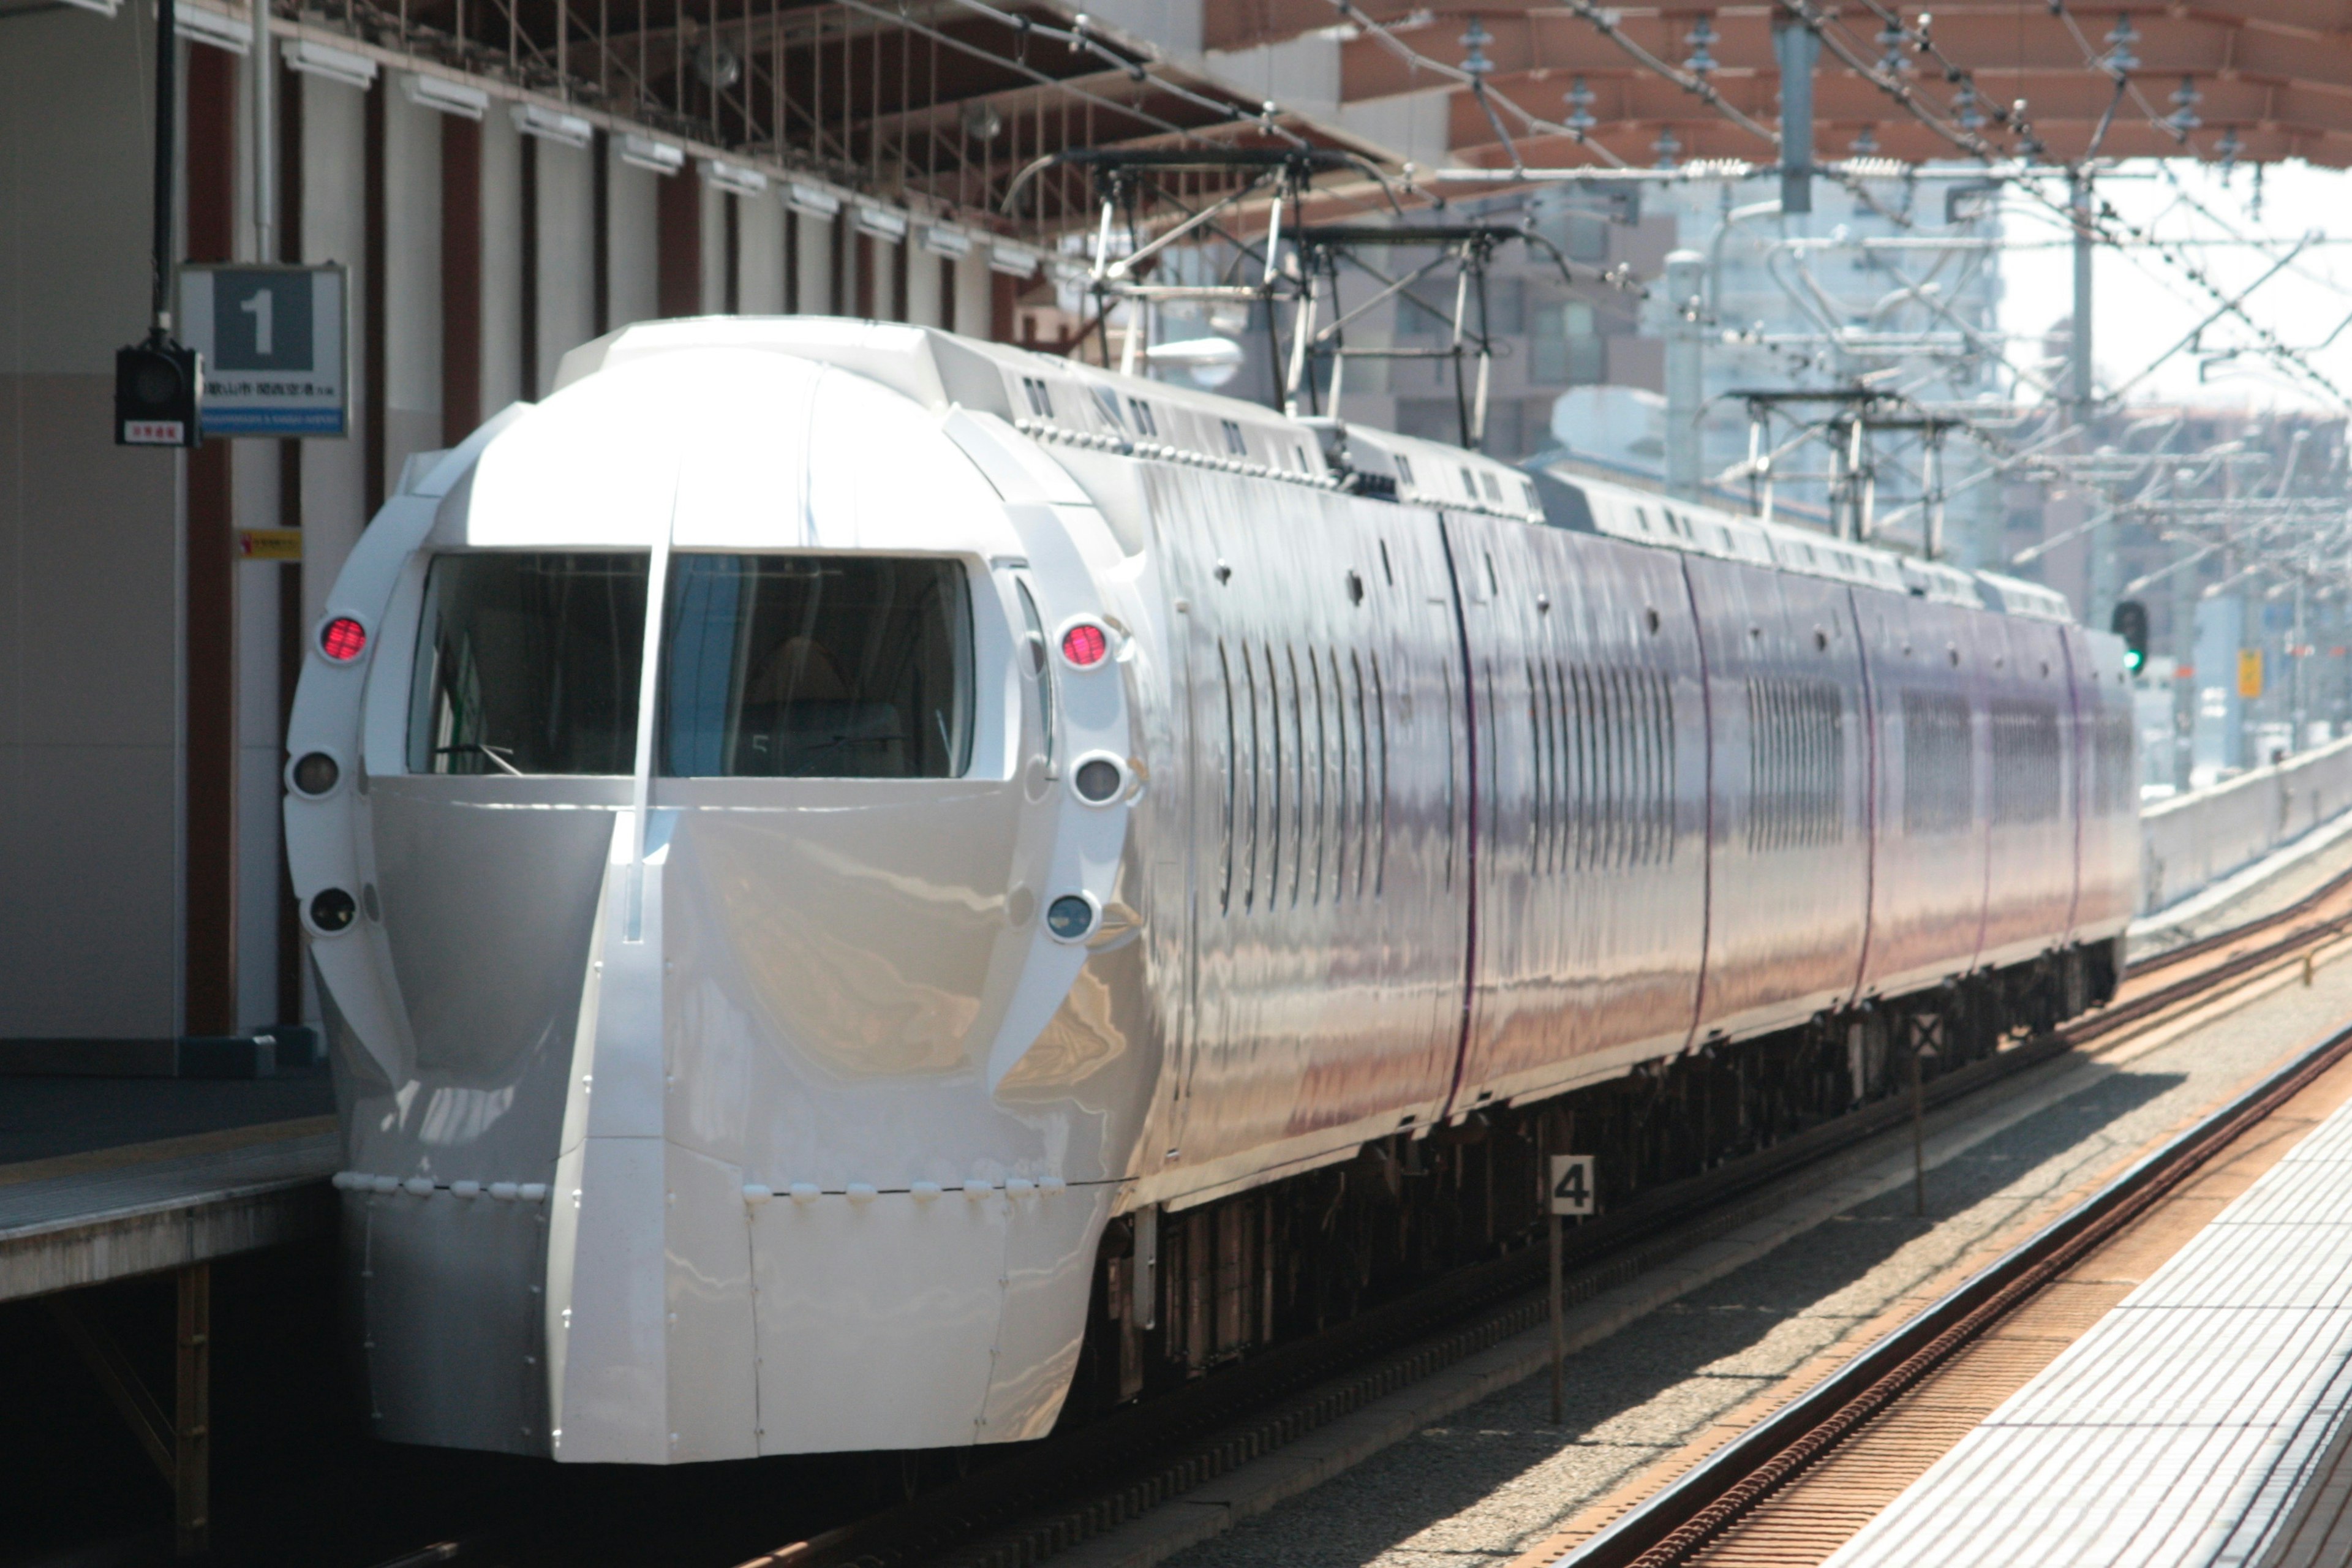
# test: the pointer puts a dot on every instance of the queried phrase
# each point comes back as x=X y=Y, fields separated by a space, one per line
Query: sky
x=2142 y=306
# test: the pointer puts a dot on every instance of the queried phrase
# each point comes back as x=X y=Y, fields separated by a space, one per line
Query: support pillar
x=1798 y=49
x=179 y=1445
x=1685 y=381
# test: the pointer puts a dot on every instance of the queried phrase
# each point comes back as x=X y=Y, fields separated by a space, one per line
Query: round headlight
x=1098 y=780
x=332 y=909
x=315 y=773
x=1072 y=917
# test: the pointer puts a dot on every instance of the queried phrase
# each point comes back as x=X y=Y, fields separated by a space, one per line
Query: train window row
x=1304 y=809
x=1601 y=739
x=1796 y=764
x=2026 y=757
x=771 y=667
x=1938 y=762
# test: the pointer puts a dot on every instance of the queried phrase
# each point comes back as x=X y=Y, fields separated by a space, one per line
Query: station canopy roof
x=2237 y=79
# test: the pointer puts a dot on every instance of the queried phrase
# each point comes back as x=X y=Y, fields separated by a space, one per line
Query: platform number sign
x=1571 y=1184
x=273 y=343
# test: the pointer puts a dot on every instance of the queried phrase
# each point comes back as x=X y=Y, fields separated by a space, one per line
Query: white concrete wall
x=714 y=250
x=882 y=260
x=632 y=241
x=502 y=373
x=412 y=281
x=567 y=257
x=334 y=229
x=2193 y=840
x=760 y=255
x=817 y=245
x=974 y=295
x=88 y=564
x=925 y=304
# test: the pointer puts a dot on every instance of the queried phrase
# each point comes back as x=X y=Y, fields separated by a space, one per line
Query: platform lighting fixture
x=951 y=243
x=642 y=151
x=733 y=178
x=882 y=222
x=811 y=201
x=553 y=125
x=1012 y=261
x=981 y=122
x=204 y=26
x=442 y=96
x=329 y=64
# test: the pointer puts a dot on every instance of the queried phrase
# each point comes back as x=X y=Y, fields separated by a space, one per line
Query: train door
x=1788 y=863
x=1592 y=758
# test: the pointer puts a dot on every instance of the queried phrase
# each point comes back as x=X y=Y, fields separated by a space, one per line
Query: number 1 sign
x=274 y=344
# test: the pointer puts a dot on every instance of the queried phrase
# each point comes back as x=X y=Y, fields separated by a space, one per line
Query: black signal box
x=158 y=396
x=2130 y=624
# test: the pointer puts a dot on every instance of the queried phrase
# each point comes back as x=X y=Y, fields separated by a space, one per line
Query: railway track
x=1689 y=1520
x=1074 y=1487
x=1022 y=1507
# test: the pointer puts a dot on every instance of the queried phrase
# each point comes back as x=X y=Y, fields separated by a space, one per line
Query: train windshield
x=815 y=667
x=529 y=663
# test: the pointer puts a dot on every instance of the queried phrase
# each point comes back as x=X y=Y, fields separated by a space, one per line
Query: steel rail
x=1675 y=1524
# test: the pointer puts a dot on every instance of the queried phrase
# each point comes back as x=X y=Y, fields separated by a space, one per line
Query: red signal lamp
x=1084 y=644
x=342 y=639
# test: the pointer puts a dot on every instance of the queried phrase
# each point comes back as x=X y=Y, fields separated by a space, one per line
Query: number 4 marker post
x=1569 y=1184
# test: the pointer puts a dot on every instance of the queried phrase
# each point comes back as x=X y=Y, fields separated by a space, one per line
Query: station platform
x=105 y=1180
x=96 y=1215
x=2203 y=1420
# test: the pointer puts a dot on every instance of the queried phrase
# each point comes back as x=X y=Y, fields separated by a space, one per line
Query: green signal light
x=2133 y=659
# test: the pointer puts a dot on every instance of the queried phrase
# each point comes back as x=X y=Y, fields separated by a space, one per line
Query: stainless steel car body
x=705 y=1117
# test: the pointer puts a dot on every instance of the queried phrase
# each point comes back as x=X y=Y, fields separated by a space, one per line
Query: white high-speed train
x=861 y=876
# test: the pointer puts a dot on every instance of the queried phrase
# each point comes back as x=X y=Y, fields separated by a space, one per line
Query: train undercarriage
x=1179 y=1295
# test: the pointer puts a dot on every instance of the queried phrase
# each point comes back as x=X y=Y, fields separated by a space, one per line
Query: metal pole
x=1686 y=372
x=2078 y=351
x=191 y=1409
x=260 y=98
x=167 y=116
x=1932 y=512
x=1919 y=1053
x=1800 y=49
x=1557 y=1226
